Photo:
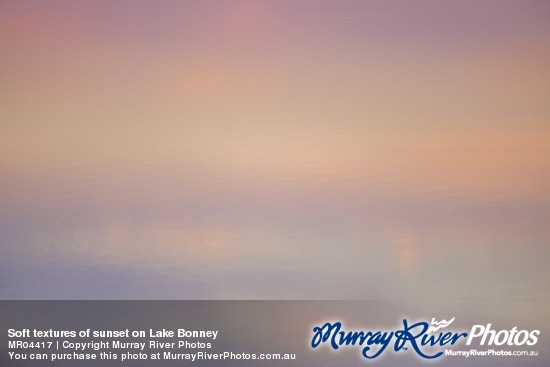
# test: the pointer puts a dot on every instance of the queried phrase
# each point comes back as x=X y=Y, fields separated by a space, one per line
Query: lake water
x=298 y=152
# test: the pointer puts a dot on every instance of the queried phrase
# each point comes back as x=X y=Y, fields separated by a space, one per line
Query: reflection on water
x=176 y=154
x=373 y=248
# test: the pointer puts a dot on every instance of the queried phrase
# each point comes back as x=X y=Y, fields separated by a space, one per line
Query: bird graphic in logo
x=439 y=325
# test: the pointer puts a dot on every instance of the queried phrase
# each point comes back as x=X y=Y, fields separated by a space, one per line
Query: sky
x=275 y=150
